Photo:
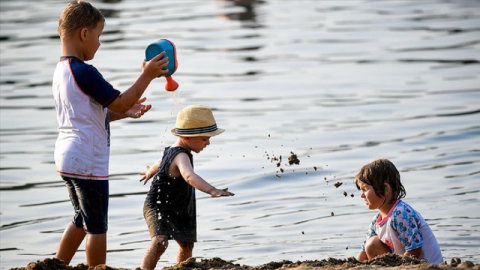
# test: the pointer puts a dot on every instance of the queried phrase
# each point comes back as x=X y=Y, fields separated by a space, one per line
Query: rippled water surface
x=339 y=83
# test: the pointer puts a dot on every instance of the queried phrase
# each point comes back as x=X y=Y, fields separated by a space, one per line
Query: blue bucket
x=158 y=47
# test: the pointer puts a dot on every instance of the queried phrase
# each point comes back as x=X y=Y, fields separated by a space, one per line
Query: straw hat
x=194 y=121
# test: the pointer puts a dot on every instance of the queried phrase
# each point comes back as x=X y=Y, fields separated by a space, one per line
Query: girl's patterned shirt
x=404 y=229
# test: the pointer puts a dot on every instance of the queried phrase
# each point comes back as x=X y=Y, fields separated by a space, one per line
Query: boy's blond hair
x=76 y=15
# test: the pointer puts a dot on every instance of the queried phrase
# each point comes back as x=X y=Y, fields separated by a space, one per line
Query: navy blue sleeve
x=92 y=83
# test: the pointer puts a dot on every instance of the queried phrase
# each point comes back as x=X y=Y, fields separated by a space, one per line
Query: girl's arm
x=362 y=255
x=182 y=162
x=405 y=216
x=414 y=252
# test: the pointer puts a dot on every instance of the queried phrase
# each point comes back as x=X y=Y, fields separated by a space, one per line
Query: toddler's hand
x=146 y=175
x=221 y=193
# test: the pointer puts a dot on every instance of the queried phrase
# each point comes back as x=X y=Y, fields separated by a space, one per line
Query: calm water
x=339 y=83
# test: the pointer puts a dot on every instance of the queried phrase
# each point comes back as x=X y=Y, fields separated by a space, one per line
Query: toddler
x=170 y=207
x=397 y=227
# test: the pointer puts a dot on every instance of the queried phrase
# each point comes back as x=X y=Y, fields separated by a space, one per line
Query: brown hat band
x=192 y=131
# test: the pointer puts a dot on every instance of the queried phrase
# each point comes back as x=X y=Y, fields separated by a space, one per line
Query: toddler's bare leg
x=71 y=240
x=375 y=247
x=158 y=245
x=96 y=249
x=185 y=251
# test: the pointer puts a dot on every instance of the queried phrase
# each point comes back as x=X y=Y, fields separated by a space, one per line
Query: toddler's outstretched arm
x=149 y=173
x=182 y=162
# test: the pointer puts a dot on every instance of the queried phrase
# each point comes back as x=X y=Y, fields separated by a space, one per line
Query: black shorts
x=90 y=202
x=166 y=213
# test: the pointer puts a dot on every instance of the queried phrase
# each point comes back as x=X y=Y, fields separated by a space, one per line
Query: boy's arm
x=182 y=162
x=150 y=172
x=136 y=111
x=150 y=70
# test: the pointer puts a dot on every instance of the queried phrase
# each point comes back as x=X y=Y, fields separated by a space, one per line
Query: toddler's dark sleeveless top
x=170 y=206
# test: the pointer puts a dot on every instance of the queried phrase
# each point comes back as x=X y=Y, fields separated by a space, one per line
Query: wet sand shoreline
x=389 y=261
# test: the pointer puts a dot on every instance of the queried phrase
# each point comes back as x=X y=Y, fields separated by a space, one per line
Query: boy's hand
x=146 y=175
x=155 y=67
x=221 y=193
x=138 y=109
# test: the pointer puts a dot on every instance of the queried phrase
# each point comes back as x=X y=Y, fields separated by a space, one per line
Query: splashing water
x=177 y=106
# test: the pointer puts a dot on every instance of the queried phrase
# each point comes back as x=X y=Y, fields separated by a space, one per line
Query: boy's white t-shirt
x=403 y=230
x=81 y=96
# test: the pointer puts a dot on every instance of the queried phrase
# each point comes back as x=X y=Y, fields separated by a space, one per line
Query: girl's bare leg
x=374 y=247
x=158 y=245
x=71 y=240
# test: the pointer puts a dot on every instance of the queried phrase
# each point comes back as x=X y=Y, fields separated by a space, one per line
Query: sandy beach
x=389 y=261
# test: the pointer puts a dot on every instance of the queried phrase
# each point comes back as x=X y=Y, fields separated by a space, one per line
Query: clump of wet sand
x=388 y=261
x=293 y=159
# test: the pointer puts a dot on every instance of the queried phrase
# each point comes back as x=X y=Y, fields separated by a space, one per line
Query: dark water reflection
x=337 y=82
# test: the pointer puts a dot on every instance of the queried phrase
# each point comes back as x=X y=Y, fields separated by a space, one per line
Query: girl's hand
x=146 y=175
x=221 y=193
x=138 y=109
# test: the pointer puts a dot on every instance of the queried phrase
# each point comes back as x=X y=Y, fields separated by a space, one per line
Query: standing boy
x=85 y=104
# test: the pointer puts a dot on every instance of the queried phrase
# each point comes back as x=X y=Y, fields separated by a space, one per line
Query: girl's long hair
x=379 y=172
